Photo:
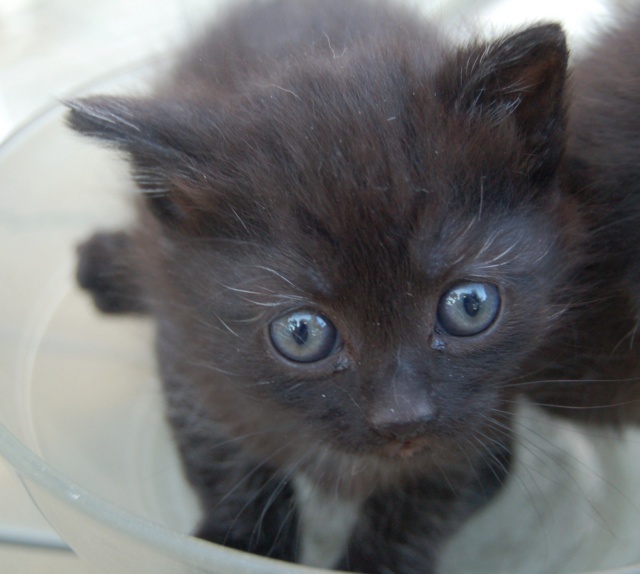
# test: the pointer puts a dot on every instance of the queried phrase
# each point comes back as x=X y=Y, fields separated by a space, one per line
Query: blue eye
x=303 y=336
x=468 y=309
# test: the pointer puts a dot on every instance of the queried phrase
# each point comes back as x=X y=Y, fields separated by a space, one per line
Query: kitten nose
x=403 y=424
x=400 y=407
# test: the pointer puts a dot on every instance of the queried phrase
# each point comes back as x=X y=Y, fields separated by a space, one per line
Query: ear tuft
x=105 y=118
x=154 y=134
x=143 y=128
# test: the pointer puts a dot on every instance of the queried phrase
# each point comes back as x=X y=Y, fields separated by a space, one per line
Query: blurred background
x=50 y=49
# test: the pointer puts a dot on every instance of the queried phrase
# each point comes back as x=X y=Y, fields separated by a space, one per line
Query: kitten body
x=604 y=142
x=602 y=169
x=354 y=243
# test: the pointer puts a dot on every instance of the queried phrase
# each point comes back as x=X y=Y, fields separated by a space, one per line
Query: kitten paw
x=105 y=269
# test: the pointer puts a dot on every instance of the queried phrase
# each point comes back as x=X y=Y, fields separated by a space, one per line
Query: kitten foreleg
x=107 y=270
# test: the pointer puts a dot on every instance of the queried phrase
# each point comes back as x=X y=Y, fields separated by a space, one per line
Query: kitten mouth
x=406 y=448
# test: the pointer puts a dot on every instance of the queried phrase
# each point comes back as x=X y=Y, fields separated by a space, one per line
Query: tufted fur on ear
x=519 y=79
x=164 y=141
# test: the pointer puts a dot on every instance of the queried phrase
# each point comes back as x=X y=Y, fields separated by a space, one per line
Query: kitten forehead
x=392 y=114
x=394 y=136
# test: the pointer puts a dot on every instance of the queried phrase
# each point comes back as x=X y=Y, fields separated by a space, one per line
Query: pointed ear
x=158 y=139
x=522 y=77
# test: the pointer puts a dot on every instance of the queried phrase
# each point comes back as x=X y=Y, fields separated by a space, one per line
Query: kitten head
x=362 y=252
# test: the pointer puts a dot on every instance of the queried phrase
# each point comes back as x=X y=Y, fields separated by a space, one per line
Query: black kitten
x=355 y=246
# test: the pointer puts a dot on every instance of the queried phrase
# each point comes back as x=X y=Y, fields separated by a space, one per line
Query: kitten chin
x=358 y=249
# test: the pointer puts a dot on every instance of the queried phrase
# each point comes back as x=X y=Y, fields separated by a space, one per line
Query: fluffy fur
x=602 y=169
x=604 y=143
x=342 y=159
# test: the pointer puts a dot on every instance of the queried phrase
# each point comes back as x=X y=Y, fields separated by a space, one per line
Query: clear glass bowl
x=81 y=412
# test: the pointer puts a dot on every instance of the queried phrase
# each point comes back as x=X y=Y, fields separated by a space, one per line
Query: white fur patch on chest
x=326 y=522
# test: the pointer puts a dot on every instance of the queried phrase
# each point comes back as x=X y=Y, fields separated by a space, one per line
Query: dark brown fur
x=341 y=157
x=605 y=142
x=603 y=170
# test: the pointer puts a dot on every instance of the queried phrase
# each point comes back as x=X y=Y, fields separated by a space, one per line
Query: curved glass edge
x=124 y=76
x=192 y=551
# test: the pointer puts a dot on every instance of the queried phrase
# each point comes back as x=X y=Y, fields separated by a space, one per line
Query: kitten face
x=332 y=320
x=360 y=270
x=383 y=350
